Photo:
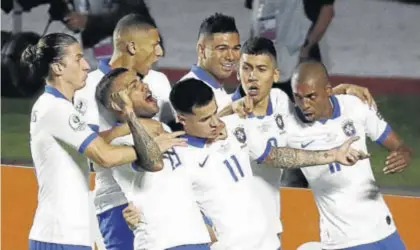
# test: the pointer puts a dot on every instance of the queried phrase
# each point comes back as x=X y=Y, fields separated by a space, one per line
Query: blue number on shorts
x=238 y=166
x=273 y=142
x=334 y=167
x=173 y=158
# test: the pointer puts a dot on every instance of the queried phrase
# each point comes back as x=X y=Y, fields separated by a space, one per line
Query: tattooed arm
x=295 y=158
x=149 y=156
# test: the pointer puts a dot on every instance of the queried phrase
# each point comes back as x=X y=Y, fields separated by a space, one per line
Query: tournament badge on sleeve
x=348 y=128
x=81 y=106
x=75 y=123
x=279 y=122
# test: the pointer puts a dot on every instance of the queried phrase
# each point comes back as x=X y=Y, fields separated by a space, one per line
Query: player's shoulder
x=280 y=101
x=154 y=75
x=189 y=75
x=92 y=81
x=349 y=104
x=232 y=121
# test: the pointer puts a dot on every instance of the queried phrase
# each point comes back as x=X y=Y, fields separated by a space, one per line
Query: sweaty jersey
x=270 y=131
x=62 y=213
x=352 y=211
x=169 y=215
x=222 y=97
x=222 y=180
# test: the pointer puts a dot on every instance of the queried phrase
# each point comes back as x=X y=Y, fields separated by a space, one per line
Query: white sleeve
x=376 y=127
x=66 y=124
x=85 y=102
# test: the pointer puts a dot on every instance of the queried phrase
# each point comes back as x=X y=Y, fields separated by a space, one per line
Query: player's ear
x=181 y=119
x=276 y=76
x=57 y=69
x=329 y=89
x=131 y=48
x=200 y=49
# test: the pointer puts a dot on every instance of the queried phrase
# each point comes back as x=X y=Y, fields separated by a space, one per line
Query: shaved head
x=310 y=72
x=311 y=90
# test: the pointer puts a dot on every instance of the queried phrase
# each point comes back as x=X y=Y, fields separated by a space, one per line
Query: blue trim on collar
x=104 y=65
x=53 y=91
x=205 y=76
x=336 y=110
x=195 y=141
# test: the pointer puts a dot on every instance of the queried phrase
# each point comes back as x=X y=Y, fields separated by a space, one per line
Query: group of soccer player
x=216 y=183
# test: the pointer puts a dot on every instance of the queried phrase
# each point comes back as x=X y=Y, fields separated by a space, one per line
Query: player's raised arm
x=296 y=158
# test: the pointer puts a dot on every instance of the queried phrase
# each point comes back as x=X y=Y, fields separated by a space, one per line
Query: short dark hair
x=217 y=23
x=259 y=46
x=190 y=93
x=49 y=49
x=134 y=21
x=105 y=84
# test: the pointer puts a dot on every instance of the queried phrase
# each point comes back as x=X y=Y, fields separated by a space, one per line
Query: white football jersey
x=170 y=217
x=62 y=214
x=222 y=97
x=268 y=131
x=223 y=185
x=108 y=194
x=352 y=211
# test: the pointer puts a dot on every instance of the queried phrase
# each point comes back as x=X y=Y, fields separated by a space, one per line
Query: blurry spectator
x=321 y=13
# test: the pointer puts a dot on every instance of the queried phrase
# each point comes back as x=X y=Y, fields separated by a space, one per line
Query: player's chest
x=269 y=129
x=226 y=167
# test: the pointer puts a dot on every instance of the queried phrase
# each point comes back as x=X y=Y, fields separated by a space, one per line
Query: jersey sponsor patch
x=81 y=106
x=76 y=123
x=348 y=128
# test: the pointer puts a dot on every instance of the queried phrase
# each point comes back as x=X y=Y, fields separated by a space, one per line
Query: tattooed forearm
x=149 y=156
x=296 y=158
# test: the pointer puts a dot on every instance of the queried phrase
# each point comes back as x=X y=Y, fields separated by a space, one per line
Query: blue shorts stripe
x=191 y=247
x=115 y=231
x=392 y=242
x=39 y=245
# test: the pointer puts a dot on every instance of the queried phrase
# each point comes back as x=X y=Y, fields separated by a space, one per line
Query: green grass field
x=401 y=112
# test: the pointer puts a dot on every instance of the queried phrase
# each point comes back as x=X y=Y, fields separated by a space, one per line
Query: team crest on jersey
x=279 y=122
x=76 y=123
x=240 y=134
x=81 y=106
x=348 y=128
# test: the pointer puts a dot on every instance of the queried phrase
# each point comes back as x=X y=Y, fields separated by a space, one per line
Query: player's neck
x=327 y=114
x=119 y=60
x=64 y=88
x=260 y=108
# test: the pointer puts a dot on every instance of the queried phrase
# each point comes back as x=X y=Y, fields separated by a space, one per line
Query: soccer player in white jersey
x=169 y=215
x=136 y=47
x=218 y=49
x=221 y=172
x=61 y=219
x=272 y=115
x=353 y=214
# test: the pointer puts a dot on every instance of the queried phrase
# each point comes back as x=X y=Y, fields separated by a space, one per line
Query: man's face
x=219 y=53
x=144 y=104
x=203 y=122
x=148 y=50
x=74 y=66
x=257 y=74
x=312 y=99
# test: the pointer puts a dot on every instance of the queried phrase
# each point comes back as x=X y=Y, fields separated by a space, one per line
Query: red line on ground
x=377 y=85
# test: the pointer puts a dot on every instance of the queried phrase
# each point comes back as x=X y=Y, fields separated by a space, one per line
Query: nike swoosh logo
x=304 y=145
x=204 y=162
